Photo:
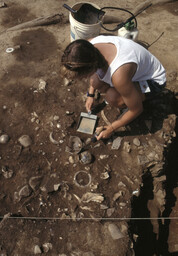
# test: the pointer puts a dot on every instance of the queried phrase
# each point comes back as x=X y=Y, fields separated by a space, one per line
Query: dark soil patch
x=15 y=14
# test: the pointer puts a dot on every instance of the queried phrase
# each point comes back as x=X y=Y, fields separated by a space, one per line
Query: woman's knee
x=114 y=98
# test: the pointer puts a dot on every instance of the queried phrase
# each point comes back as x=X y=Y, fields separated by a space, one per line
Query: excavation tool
x=87 y=13
x=87 y=123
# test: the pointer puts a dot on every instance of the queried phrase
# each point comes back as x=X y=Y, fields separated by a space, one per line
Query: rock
x=71 y=160
x=25 y=191
x=151 y=155
x=117 y=195
x=85 y=157
x=42 y=85
x=136 y=142
x=4 y=138
x=103 y=207
x=116 y=143
x=95 y=197
x=127 y=146
x=121 y=184
x=37 y=250
x=46 y=247
x=7 y=173
x=160 y=197
x=51 y=184
x=122 y=204
x=136 y=192
x=25 y=141
x=104 y=156
x=142 y=160
x=104 y=175
x=2 y=4
x=115 y=232
x=75 y=145
x=34 y=182
x=66 y=82
x=110 y=211
x=56 y=187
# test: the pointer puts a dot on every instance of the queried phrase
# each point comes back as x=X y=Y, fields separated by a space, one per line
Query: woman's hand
x=89 y=103
x=106 y=133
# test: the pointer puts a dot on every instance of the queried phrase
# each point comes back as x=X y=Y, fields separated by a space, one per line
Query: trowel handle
x=97 y=133
x=99 y=130
x=69 y=8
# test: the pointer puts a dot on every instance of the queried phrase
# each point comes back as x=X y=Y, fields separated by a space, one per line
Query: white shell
x=9 y=50
x=4 y=138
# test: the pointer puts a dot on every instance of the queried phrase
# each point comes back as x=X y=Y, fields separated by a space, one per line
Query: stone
x=142 y=160
x=4 y=138
x=25 y=141
x=115 y=232
x=51 y=184
x=104 y=175
x=122 y=204
x=75 y=145
x=110 y=211
x=127 y=146
x=103 y=207
x=46 y=247
x=86 y=157
x=56 y=187
x=7 y=173
x=116 y=143
x=42 y=85
x=66 y=82
x=104 y=156
x=95 y=197
x=136 y=142
x=151 y=155
x=2 y=4
x=71 y=160
x=117 y=195
x=37 y=250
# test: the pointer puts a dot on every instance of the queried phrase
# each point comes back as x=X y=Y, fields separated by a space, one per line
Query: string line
x=59 y=218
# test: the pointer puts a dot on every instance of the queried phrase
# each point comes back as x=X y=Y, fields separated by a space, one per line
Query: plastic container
x=80 y=30
x=130 y=34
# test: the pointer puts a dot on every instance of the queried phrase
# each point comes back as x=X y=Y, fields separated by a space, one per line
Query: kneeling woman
x=122 y=69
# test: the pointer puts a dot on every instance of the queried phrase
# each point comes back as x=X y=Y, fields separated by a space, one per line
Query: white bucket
x=80 y=30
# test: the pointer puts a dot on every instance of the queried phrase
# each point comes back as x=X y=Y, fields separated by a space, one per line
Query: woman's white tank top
x=148 y=66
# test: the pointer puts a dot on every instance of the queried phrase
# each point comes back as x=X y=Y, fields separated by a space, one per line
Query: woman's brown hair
x=82 y=57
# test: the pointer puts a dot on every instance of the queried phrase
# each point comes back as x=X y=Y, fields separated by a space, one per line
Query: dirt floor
x=39 y=114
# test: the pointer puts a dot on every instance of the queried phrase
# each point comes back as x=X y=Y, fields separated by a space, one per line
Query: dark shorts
x=155 y=89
